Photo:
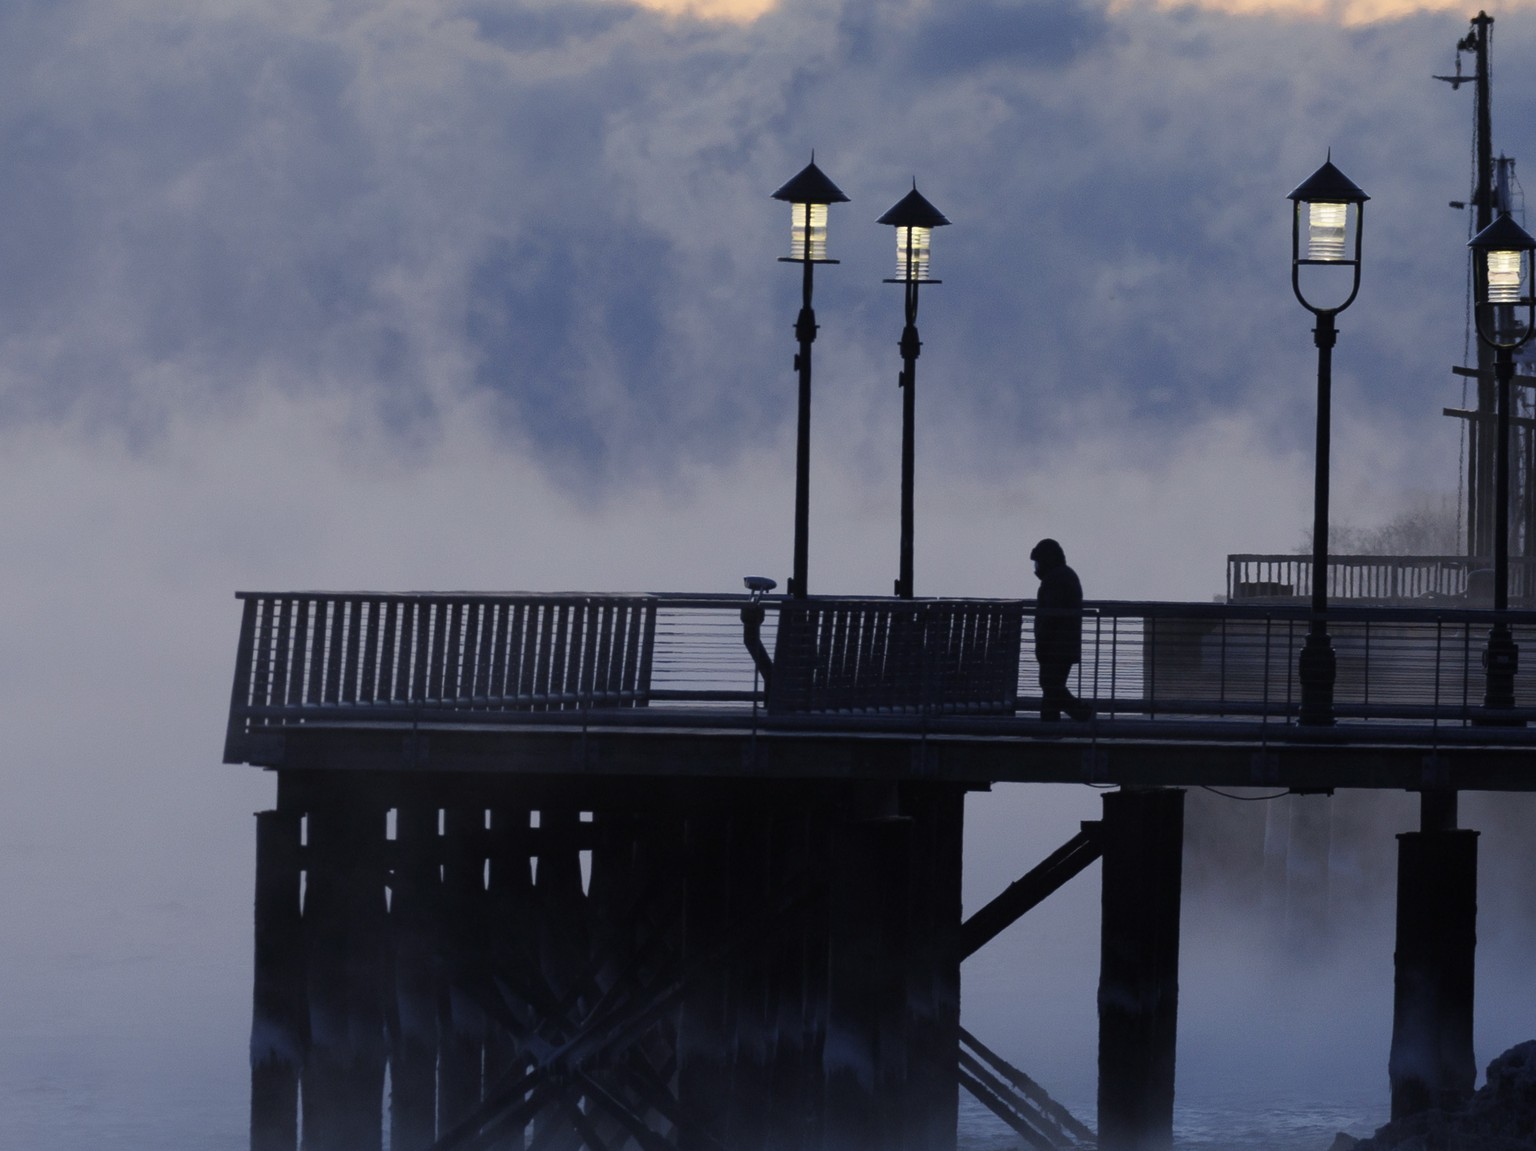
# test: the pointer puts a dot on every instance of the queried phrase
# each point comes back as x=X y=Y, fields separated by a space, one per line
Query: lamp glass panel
x=1504 y=277
x=1326 y=223
x=808 y=222
x=912 y=253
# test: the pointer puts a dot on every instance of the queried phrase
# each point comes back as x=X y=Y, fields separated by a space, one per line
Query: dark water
x=124 y=1092
x=89 y=1092
x=1233 y=1123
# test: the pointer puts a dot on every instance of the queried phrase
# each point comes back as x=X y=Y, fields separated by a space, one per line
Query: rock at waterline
x=1500 y=1117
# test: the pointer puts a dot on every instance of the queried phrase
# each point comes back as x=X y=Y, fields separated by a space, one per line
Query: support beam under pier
x=760 y=966
x=1143 y=842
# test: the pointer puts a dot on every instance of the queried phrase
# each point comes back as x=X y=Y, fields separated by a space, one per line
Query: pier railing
x=304 y=656
x=309 y=658
x=896 y=657
x=1464 y=581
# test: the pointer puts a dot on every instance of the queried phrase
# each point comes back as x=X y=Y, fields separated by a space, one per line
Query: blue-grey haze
x=485 y=294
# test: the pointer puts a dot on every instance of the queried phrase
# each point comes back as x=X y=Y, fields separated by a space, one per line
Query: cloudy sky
x=484 y=294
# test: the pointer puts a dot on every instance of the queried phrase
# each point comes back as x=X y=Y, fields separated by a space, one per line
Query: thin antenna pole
x=1484 y=458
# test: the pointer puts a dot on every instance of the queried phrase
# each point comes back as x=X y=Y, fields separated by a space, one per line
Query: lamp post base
x=1501 y=660
x=1317 y=671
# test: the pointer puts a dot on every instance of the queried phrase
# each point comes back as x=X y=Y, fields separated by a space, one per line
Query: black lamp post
x=808 y=194
x=1501 y=257
x=914 y=219
x=1330 y=208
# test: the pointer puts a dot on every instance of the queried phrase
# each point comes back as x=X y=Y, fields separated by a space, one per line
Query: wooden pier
x=683 y=872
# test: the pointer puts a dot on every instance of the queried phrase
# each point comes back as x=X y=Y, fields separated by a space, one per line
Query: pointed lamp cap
x=811 y=186
x=913 y=211
x=1503 y=235
x=1328 y=185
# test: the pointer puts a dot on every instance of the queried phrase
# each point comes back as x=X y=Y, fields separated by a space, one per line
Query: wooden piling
x=933 y=966
x=794 y=1072
x=816 y=949
x=612 y=1105
x=655 y=893
x=461 y=1043
x=754 y=890
x=279 y=1010
x=564 y=936
x=703 y=1030
x=414 y=901
x=1432 y=1062
x=512 y=941
x=346 y=935
x=1139 y=968
x=564 y=940
x=865 y=1056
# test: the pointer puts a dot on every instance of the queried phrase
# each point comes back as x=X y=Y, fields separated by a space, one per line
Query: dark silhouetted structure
x=914 y=219
x=590 y=871
x=1330 y=211
x=809 y=195
x=1058 y=631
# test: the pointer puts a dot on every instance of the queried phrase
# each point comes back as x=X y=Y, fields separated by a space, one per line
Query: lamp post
x=1501 y=265
x=1330 y=208
x=914 y=219
x=808 y=194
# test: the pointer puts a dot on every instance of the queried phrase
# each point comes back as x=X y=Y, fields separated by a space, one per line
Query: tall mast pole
x=1484 y=201
x=1483 y=456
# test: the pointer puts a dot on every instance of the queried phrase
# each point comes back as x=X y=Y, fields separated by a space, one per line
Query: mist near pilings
x=1286 y=953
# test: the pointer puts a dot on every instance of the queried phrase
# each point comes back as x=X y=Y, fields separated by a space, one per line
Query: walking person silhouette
x=1058 y=631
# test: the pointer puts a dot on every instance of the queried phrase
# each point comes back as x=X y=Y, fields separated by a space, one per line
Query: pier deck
x=663 y=685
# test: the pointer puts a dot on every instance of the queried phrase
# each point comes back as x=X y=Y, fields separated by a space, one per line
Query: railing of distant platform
x=1434 y=579
x=317 y=657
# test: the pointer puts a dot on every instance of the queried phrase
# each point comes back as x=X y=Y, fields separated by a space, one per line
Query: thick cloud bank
x=558 y=213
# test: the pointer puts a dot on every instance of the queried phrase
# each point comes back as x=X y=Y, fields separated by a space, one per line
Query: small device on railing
x=757 y=585
x=752 y=625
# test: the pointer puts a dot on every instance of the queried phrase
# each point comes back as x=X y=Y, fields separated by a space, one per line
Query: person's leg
x=1053 y=687
x=1077 y=709
x=1058 y=698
